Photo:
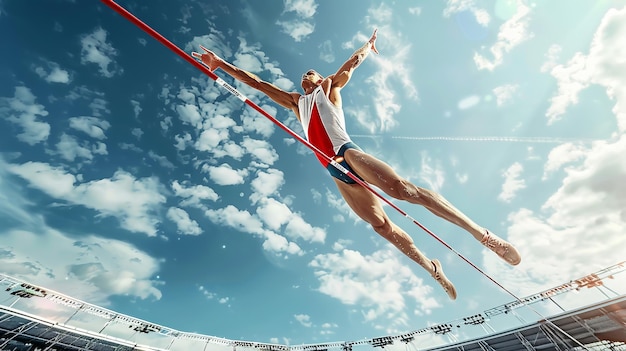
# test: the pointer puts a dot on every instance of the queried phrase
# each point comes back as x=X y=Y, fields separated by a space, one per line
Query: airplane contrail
x=545 y=140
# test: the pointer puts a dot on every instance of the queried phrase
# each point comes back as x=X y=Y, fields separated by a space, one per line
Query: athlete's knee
x=382 y=227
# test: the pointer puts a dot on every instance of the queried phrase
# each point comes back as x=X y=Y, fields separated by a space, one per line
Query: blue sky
x=130 y=180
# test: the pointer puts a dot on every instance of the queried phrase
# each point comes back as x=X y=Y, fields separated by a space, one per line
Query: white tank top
x=323 y=123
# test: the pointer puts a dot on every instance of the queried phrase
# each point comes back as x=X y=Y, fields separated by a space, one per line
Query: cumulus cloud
x=300 y=27
x=468 y=102
x=504 y=93
x=91 y=268
x=379 y=285
x=193 y=195
x=275 y=215
x=132 y=201
x=297 y=29
x=71 y=149
x=52 y=73
x=266 y=183
x=454 y=6
x=599 y=67
x=391 y=68
x=95 y=49
x=92 y=126
x=511 y=33
x=512 y=182
x=246 y=222
x=262 y=150
x=303 y=319
x=185 y=224
x=23 y=111
x=224 y=174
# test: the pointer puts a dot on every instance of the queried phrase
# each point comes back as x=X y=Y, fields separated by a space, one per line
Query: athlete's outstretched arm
x=344 y=73
x=281 y=97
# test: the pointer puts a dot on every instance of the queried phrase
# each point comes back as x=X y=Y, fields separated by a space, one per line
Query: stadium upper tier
x=33 y=317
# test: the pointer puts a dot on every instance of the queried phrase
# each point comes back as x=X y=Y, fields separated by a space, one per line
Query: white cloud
x=326 y=51
x=454 y=6
x=70 y=149
x=241 y=220
x=244 y=221
x=431 y=173
x=601 y=66
x=303 y=8
x=185 y=224
x=261 y=150
x=512 y=182
x=392 y=67
x=96 y=49
x=303 y=319
x=254 y=122
x=377 y=284
x=136 y=107
x=266 y=183
x=92 y=126
x=210 y=138
x=300 y=27
x=511 y=33
x=24 y=111
x=299 y=228
x=189 y=114
x=193 y=195
x=54 y=73
x=224 y=174
x=415 y=10
x=91 y=268
x=551 y=58
x=297 y=29
x=132 y=201
x=579 y=226
x=278 y=243
x=88 y=267
x=273 y=213
x=504 y=93
x=468 y=102
x=562 y=155
x=95 y=99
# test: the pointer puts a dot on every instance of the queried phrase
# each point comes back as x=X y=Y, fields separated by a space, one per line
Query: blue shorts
x=342 y=161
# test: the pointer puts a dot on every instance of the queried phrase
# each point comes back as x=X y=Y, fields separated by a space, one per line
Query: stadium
x=35 y=318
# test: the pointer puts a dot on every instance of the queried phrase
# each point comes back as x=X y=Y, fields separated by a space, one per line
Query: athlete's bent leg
x=368 y=207
x=380 y=174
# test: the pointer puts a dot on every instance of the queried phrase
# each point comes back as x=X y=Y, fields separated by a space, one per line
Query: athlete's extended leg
x=380 y=174
x=368 y=207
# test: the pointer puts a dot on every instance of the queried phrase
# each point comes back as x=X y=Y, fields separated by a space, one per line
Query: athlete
x=320 y=112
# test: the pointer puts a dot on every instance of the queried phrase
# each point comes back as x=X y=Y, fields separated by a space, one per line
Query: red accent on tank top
x=318 y=136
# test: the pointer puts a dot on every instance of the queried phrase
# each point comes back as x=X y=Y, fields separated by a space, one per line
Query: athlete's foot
x=443 y=280
x=501 y=247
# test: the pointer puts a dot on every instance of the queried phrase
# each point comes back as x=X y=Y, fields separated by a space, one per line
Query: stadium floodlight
x=442 y=329
x=381 y=342
x=407 y=338
x=474 y=320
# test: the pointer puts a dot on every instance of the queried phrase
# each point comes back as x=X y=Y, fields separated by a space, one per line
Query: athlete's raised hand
x=373 y=41
x=209 y=58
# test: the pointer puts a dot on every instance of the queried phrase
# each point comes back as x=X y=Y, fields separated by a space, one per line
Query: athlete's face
x=311 y=78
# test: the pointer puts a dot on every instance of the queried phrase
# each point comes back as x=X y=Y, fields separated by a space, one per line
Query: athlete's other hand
x=372 y=41
x=208 y=58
